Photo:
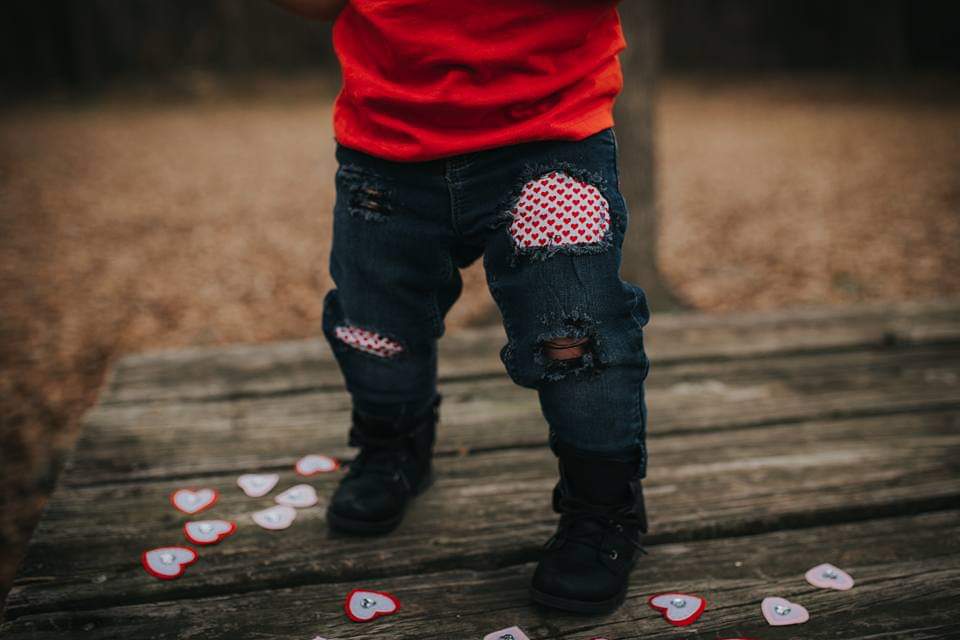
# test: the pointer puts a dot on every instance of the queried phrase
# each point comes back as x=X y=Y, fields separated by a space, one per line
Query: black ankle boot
x=586 y=565
x=393 y=465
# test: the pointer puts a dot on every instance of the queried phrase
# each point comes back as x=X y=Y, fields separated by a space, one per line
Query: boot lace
x=589 y=525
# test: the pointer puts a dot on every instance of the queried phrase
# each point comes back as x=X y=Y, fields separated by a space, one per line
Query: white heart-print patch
x=678 y=609
x=275 y=518
x=167 y=563
x=780 y=611
x=313 y=464
x=363 y=606
x=300 y=496
x=510 y=633
x=208 y=531
x=257 y=485
x=193 y=500
x=558 y=209
x=827 y=576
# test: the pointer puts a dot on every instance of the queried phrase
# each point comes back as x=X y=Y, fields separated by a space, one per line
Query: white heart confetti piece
x=827 y=576
x=364 y=606
x=780 y=611
x=257 y=485
x=208 y=531
x=275 y=518
x=193 y=500
x=510 y=633
x=167 y=563
x=300 y=496
x=313 y=464
x=679 y=609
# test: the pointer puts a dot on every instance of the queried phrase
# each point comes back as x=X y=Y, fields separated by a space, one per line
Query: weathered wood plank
x=907 y=571
x=491 y=509
x=165 y=439
x=238 y=371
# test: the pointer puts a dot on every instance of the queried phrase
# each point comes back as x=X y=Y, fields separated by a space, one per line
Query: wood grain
x=905 y=568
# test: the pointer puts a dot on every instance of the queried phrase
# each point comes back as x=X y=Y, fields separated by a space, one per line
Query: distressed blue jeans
x=549 y=220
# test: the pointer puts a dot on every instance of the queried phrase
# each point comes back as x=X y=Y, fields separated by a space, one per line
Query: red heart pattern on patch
x=827 y=576
x=167 y=563
x=205 y=532
x=368 y=341
x=300 y=496
x=313 y=464
x=257 y=485
x=679 y=609
x=558 y=209
x=193 y=500
x=510 y=633
x=780 y=612
x=275 y=518
x=364 y=606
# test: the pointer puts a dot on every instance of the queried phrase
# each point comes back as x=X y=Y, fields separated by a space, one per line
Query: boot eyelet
x=613 y=554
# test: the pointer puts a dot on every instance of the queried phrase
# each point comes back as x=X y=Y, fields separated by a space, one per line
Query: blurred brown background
x=166 y=176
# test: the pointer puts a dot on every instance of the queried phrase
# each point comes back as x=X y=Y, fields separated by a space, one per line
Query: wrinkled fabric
x=397 y=275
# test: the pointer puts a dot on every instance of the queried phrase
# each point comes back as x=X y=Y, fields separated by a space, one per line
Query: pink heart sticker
x=205 y=532
x=827 y=576
x=510 y=633
x=364 y=606
x=780 y=611
x=275 y=518
x=193 y=500
x=313 y=464
x=300 y=496
x=167 y=563
x=679 y=609
x=257 y=485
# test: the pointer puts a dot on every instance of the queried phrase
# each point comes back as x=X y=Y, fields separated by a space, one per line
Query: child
x=468 y=129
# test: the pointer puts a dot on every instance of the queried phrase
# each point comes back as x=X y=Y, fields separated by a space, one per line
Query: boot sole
x=578 y=606
x=373 y=527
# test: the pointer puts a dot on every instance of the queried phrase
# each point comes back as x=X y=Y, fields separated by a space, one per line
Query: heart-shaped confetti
x=193 y=500
x=300 y=496
x=257 y=485
x=364 y=606
x=275 y=518
x=313 y=464
x=679 y=609
x=167 y=563
x=780 y=611
x=510 y=633
x=208 y=531
x=827 y=576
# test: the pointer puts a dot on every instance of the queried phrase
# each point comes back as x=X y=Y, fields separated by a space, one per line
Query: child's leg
x=575 y=334
x=395 y=277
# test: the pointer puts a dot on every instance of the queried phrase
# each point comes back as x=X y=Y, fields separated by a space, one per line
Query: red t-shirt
x=423 y=79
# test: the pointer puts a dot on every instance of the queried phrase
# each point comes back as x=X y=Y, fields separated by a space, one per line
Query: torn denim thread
x=368 y=196
x=529 y=186
x=576 y=325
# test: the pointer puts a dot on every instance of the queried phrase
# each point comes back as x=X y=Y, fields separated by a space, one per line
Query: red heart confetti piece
x=361 y=605
x=204 y=532
x=193 y=501
x=679 y=609
x=311 y=465
x=168 y=563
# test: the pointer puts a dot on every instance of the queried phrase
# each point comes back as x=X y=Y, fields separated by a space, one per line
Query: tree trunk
x=634 y=117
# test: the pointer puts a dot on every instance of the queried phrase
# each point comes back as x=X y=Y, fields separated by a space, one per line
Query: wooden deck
x=777 y=442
